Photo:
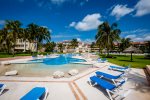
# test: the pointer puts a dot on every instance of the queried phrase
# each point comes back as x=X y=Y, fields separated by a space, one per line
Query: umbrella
x=131 y=50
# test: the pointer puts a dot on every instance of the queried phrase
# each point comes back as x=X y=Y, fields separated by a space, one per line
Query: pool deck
x=76 y=87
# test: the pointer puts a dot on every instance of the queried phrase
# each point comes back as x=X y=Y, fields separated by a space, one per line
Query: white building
x=82 y=47
x=25 y=46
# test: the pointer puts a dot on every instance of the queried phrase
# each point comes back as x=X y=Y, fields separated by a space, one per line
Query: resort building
x=22 y=46
x=25 y=45
x=82 y=47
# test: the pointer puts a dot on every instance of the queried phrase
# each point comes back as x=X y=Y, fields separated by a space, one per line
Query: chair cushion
x=104 y=84
x=1 y=85
x=109 y=76
x=34 y=94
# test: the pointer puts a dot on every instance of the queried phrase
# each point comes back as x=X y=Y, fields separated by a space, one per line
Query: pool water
x=47 y=66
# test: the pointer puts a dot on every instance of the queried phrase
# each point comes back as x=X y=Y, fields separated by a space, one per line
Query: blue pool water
x=47 y=66
x=62 y=59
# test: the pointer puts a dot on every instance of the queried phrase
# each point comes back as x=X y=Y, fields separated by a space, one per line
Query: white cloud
x=78 y=39
x=130 y=36
x=135 y=31
x=120 y=11
x=88 y=40
x=50 y=30
x=2 y=22
x=64 y=36
x=138 y=38
x=142 y=7
x=147 y=38
x=72 y=24
x=89 y=22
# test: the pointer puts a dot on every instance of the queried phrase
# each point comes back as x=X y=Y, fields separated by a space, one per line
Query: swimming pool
x=60 y=60
x=47 y=66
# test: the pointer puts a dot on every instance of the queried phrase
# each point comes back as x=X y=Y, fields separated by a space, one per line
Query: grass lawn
x=5 y=55
x=122 y=60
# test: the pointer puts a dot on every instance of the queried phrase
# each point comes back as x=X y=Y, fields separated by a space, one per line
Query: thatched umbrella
x=131 y=50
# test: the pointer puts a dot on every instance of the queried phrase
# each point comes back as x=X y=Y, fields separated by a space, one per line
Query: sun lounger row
x=111 y=88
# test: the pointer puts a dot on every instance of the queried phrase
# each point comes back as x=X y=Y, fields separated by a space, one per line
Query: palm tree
x=107 y=35
x=50 y=46
x=60 y=47
x=1 y=37
x=13 y=29
x=74 y=43
x=38 y=34
x=7 y=39
x=125 y=42
x=24 y=35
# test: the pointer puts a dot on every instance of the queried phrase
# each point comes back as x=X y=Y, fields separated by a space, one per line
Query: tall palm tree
x=107 y=35
x=24 y=35
x=125 y=42
x=38 y=34
x=74 y=43
x=1 y=37
x=13 y=28
x=6 y=38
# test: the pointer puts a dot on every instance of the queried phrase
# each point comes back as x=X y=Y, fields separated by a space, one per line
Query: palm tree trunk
x=25 y=46
x=107 y=45
x=99 y=49
x=8 y=48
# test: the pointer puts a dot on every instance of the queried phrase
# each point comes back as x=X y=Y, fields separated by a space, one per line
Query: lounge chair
x=123 y=69
x=2 y=88
x=102 y=60
x=112 y=77
x=110 y=88
x=36 y=93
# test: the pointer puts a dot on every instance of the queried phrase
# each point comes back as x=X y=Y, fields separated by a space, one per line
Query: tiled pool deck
x=76 y=87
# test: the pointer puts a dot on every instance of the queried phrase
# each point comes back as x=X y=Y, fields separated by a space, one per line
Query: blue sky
x=68 y=19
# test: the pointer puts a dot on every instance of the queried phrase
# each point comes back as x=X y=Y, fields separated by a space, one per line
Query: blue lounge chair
x=36 y=94
x=102 y=60
x=123 y=69
x=111 y=77
x=110 y=88
x=2 y=88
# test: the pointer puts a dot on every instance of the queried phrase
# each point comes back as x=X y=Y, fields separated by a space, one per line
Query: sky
x=68 y=19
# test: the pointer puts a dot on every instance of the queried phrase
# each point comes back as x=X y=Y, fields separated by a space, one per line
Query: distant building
x=82 y=47
x=139 y=44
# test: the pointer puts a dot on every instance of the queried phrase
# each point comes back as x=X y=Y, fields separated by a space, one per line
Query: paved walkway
x=14 y=58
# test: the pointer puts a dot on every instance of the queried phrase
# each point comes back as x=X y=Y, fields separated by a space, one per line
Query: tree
x=107 y=35
x=11 y=31
x=125 y=42
x=24 y=35
x=92 y=45
x=38 y=34
x=60 y=47
x=50 y=46
x=74 y=43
